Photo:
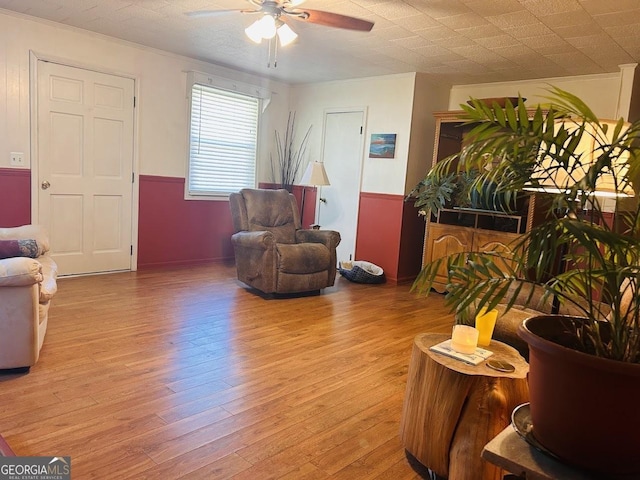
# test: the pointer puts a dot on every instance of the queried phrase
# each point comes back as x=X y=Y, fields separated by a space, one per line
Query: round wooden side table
x=452 y=409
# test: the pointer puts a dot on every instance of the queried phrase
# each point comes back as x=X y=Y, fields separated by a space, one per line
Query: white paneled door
x=342 y=150
x=85 y=164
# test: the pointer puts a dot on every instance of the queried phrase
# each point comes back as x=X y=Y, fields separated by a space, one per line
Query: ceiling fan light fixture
x=254 y=32
x=267 y=26
x=263 y=28
x=286 y=34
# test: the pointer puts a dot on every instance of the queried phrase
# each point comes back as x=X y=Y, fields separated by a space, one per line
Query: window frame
x=232 y=87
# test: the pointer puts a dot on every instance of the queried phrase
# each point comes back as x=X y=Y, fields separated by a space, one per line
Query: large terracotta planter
x=584 y=409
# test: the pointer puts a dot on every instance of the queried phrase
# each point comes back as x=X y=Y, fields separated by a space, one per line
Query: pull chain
x=273 y=45
x=275 y=54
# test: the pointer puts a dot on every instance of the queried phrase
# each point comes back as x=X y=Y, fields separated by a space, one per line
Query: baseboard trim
x=186 y=263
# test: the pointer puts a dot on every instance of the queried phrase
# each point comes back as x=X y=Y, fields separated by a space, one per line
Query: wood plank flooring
x=185 y=373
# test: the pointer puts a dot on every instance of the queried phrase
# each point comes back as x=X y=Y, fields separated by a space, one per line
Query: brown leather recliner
x=273 y=253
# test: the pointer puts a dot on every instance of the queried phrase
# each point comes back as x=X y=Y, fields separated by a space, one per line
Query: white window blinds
x=222 y=141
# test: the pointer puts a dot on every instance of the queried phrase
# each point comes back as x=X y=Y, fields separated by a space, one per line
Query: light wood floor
x=185 y=373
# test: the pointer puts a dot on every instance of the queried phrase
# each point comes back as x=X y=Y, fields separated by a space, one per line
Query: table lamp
x=314 y=176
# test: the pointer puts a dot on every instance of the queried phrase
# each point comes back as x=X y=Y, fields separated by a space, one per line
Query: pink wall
x=390 y=234
x=15 y=197
x=175 y=231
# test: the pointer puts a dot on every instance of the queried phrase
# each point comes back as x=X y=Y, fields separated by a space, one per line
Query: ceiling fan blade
x=334 y=20
x=209 y=13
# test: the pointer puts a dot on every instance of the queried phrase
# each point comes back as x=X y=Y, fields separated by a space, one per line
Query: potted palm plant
x=584 y=374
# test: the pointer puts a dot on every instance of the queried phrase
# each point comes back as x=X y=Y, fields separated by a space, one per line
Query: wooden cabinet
x=450 y=132
x=442 y=240
x=485 y=241
x=459 y=229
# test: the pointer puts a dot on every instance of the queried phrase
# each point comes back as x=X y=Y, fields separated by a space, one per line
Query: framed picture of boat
x=383 y=145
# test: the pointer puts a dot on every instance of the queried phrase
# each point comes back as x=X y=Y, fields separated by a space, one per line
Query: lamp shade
x=268 y=26
x=315 y=174
x=254 y=32
x=554 y=177
x=264 y=28
x=286 y=35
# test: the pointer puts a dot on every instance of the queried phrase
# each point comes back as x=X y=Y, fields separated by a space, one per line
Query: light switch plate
x=17 y=159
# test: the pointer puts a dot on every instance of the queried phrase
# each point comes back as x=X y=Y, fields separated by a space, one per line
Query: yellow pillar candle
x=485 y=322
x=464 y=339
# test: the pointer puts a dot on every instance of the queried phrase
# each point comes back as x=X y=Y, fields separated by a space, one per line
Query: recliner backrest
x=272 y=210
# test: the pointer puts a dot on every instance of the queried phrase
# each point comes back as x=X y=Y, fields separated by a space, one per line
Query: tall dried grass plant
x=285 y=169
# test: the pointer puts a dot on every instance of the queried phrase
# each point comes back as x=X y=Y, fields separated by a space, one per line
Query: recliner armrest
x=261 y=240
x=330 y=238
x=20 y=272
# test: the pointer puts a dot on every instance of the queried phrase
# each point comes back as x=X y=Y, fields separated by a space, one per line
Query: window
x=222 y=141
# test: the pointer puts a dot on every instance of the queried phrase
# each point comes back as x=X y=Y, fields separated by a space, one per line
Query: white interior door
x=85 y=164
x=342 y=150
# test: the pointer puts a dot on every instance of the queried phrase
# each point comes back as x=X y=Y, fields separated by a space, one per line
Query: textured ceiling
x=455 y=41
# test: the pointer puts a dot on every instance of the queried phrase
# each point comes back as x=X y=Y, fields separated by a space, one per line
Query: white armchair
x=26 y=288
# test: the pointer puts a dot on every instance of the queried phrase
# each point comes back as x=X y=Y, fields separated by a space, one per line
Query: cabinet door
x=442 y=241
x=486 y=241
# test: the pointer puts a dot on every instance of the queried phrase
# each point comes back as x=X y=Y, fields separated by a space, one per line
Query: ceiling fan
x=276 y=15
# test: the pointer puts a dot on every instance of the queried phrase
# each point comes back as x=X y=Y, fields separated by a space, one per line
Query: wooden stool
x=452 y=409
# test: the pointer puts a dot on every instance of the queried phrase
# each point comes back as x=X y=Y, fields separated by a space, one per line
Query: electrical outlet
x=17 y=159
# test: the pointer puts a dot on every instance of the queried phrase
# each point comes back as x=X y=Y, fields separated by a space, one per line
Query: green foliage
x=543 y=152
x=453 y=188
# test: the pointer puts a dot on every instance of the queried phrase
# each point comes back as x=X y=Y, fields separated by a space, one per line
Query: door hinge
x=134 y=102
x=131 y=252
x=360 y=130
x=133 y=177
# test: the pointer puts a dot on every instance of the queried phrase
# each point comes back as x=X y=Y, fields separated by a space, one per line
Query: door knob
x=45 y=185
